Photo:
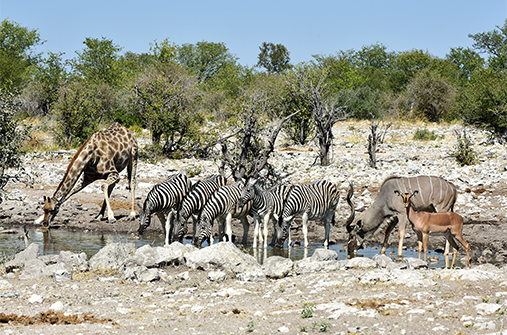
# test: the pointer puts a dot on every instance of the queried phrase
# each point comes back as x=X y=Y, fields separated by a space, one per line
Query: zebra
x=266 y=204
x=222 y=206
x=317 y=200
x=164 y=199
x=194 y=203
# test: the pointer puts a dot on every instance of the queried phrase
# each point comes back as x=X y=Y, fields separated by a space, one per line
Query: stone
x=360 y=263
x=30 y=253
x=322 y=254
x=487 y=308
x=62 y=275
x=112 y=256
x=277 y=267
x=217 y=276
x=415 y=263
x=223 y=256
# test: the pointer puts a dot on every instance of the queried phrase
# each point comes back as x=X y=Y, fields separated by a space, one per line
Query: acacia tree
x=164 y=97
x=16 y=54
x=275 y=58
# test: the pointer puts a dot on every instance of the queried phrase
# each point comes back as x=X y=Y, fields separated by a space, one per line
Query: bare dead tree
x=324 y=116
x=251 y=152
x=375 y=137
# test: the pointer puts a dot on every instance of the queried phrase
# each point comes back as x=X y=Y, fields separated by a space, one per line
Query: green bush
x=424 y=135
x=463 y=151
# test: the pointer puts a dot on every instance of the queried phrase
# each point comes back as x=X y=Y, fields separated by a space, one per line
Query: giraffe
x=102 y=157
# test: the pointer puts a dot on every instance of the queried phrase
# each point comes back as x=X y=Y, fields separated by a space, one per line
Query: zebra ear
x=139 y=205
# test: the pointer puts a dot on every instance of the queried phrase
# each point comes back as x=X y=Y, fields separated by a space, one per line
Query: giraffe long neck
x=74 y=171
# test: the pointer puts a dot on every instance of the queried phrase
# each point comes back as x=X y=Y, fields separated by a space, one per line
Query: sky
x=305 y=28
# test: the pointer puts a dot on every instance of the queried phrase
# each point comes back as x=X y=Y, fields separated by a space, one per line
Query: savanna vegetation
x=196 y=99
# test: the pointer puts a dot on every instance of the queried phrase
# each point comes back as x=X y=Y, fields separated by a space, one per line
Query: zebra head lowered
x=144 y=218
x=435 y=194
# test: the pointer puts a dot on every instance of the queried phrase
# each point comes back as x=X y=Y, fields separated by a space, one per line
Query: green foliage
x=48 y=75
x=250 y=327
x=16 y=54
x=307 y=310
x=424 y=135
x=463 y=150
x=205 y=60
x=164 y=98
x=322 y=327
x=275 y=58
x=493 y=43
x=11 y=138
x=99 y=62
x=432 y=95
x=364 y=102
x=78 y=113
x=483 y=102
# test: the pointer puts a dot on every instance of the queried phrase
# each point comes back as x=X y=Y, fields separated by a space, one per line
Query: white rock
x=57 y=306
x=487 y=309
x=35 y=298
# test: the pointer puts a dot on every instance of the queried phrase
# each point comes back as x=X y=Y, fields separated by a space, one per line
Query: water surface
x=90 y=243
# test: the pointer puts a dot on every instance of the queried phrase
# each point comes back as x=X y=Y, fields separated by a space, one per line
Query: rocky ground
x=368 y=300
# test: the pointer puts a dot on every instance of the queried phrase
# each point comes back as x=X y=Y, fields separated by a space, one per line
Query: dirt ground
x=102 y=303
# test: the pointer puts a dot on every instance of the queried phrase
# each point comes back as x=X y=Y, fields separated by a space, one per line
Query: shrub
x=424 y=135
x=463 y=151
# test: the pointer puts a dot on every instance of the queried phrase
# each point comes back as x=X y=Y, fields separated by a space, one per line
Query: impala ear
x=397 y=192
x=414 y=193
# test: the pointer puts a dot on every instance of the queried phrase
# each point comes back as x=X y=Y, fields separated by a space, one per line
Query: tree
x=11 y=138
x=432 y=95
x=324 y=116
x=98 y=62
x=78 y=113
x=205 y=60
x=47 y=77
x=275 y=58
x=493 y=43
x=483 y=102
x=16 y=54
x=164 y=97
x=467 y=61
x=253 y=142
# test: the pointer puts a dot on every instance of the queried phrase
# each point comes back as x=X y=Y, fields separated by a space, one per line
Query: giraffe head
x=51 y=208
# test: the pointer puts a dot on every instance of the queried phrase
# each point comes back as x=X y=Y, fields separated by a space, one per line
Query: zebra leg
x=169 y=227
x=228 y=227
x=246 y=227
x=256 y=231
x=327 y=225
x=305 y=228
x=162 y=219
x=265 y=230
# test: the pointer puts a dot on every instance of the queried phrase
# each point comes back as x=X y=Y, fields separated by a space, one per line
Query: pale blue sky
x=304 y=27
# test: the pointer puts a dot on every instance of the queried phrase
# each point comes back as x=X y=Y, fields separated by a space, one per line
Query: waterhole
x=90 y=243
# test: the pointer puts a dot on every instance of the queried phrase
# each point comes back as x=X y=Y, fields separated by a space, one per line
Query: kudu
x=448 y=224
x=435 y=195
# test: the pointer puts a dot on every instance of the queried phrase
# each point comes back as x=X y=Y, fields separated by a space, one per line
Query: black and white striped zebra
x=223 y=206
x=164 y=200
x=317 y=200
x=194 y=202
x=266 y=204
